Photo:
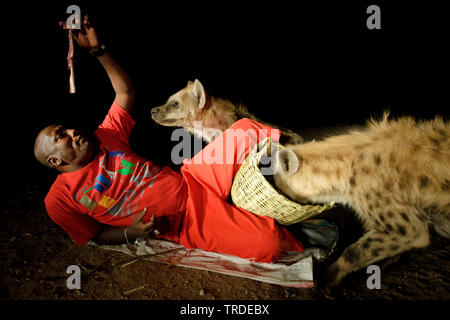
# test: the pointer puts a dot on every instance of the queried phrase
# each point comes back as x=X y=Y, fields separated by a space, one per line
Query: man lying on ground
x=107 y=193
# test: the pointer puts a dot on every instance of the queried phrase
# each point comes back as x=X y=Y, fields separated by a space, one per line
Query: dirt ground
x=35 y=254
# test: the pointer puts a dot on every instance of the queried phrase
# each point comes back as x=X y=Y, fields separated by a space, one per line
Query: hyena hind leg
x=372 y=247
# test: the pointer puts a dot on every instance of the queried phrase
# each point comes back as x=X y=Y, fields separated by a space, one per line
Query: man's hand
x=86 y=37
x=140 y=229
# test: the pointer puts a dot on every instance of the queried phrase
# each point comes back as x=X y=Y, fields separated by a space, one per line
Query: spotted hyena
x=192 y=105
x=394 y=174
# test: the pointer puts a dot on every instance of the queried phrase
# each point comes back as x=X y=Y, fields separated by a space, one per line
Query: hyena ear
x=286 y=162
x=200 y=93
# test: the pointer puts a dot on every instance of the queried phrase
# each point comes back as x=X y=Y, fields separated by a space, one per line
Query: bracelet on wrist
x=125 y=234
x=98 y=51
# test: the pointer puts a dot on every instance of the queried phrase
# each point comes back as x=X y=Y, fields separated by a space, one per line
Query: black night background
x=300 y=65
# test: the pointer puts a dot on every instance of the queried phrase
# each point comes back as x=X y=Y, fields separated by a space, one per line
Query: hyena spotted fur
x=394 y=174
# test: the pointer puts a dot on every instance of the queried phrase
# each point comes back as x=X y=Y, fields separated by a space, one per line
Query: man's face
x=67 y=146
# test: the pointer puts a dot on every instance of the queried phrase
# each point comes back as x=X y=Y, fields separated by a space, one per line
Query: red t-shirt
x=116 y=186
x=191 y=207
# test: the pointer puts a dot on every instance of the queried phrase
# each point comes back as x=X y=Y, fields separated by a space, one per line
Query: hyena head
x=181 y=108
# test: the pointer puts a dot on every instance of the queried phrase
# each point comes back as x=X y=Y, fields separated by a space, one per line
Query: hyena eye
x=175 y=104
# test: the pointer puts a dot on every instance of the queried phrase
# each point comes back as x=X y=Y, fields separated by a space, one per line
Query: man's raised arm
x=120 y=81
x=122 y=85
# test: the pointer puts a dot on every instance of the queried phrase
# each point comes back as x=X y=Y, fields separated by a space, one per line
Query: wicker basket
x=251 y=191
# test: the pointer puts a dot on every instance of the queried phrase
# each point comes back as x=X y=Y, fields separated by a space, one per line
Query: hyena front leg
x=377 y=245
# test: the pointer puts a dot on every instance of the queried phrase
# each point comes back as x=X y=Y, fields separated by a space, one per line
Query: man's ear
x=54 y=161
x=200 y=93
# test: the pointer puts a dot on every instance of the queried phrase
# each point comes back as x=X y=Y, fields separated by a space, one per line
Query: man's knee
x=243 y=123
x=251 y=128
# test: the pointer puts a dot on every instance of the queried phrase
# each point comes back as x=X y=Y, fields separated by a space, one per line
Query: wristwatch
x=98 y=51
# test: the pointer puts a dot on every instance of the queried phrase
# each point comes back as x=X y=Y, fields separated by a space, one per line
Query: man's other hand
x=140 y=229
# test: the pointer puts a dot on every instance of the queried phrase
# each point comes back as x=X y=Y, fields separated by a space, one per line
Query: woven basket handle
x=269 y=148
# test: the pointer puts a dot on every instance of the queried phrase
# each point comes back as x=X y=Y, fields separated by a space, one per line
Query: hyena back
x=394 y=174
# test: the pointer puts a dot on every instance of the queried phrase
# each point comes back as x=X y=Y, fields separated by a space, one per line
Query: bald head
x=43 y=146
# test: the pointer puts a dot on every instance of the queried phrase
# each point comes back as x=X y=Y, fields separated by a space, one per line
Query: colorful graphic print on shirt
x=133 y=180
